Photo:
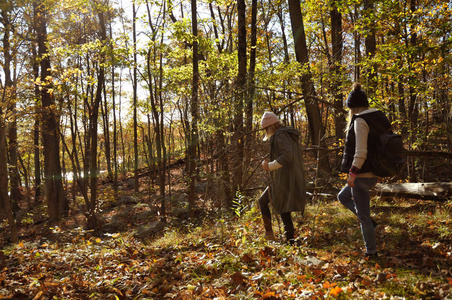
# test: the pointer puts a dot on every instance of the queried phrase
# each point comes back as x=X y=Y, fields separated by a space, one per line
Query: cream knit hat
x=268 y=119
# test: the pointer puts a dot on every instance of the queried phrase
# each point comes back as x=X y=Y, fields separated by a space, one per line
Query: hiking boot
x=269 y=235
x=371 y=255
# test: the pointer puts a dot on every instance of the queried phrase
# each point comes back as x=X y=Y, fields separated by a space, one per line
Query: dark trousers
x=264 y=202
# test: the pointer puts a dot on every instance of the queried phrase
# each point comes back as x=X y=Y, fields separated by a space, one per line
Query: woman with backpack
x=287 y=190
x=361 y=143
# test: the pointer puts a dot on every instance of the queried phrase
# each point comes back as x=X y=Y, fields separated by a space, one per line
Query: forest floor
x=224 y=256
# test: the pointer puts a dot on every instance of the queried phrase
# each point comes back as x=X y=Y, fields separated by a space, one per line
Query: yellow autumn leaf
x=335 y=291
x=38 y=295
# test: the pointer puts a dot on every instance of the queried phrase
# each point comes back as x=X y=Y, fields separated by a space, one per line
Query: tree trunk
x=423 y=190
x=36 y=130
x=121 y=133
x=161 y=142
x=73 y=155
x=316 y=128
x=56 y=202
x=106 y=125
x=193 y=140
x=356 y=46
x=93 y=132
x=11 y=123
x=238 y=136
x=371 y=47
x=156 y=96
x=413 y=110
x=336 y=39
x=26 y=177
x=251 y=86
x=135 y=103
x=7 y=96
x=5 y=202
x=115 y=134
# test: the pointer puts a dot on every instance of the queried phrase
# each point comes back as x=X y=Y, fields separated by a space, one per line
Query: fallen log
x=420 y=190
x=428 y=153
x=142 y=172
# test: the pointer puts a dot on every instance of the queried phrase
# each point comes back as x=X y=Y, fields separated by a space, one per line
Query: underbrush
x=226 y=257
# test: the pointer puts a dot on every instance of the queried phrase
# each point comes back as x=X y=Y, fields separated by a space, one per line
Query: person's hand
x=265 y=165
x=351 y=181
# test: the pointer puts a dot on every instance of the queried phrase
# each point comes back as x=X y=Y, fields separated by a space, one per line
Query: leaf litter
x=231 y=260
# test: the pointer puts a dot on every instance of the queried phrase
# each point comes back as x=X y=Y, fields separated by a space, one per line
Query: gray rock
x=311 y=261
x=144 y=232
x=114 y=226
x=145 y=216
x=127 y=199
x=201 y=187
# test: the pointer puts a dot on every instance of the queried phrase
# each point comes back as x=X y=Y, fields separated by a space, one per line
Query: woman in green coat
x=287 y=190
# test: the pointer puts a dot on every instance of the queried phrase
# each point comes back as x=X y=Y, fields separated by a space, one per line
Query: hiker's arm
x=285 y=155
x=274 y=165
x=361 y=134
x=271 y=166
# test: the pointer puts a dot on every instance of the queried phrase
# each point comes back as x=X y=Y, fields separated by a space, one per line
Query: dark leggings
x=264 y=202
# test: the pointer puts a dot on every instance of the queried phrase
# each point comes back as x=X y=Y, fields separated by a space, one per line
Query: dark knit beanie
x=357 y=97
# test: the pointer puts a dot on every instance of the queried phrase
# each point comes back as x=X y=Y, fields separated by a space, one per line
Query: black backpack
x=389 y=158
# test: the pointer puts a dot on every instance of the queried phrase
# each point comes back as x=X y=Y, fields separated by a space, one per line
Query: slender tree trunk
x=26 y=177
x=193 y=140
x=238 y=136
x=371 y=47
x=159 y=121
x=413 y=109
x=251 y=86
x=135 y=104
x=215 y=29
x=106 y=123
x=36 y=130
x=93 y=132
x=357 y=45
x=121 y=133
x=10 y=98
x=87 y=99
x=56 y=202
x=337 y=44
x=413 y=103
x=11 y=127
x=156 y=96
x=93 y=129
x=7 y=96
x=76 y=169
x=115 y=134
x=163 y=164
x=5 y=202
x=281 y=16
x=312 y=108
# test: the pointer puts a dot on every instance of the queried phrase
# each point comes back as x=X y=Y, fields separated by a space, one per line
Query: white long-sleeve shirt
x=273 y=165
x=361 y=136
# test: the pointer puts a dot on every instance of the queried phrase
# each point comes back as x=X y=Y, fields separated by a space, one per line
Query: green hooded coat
x=288 y=183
